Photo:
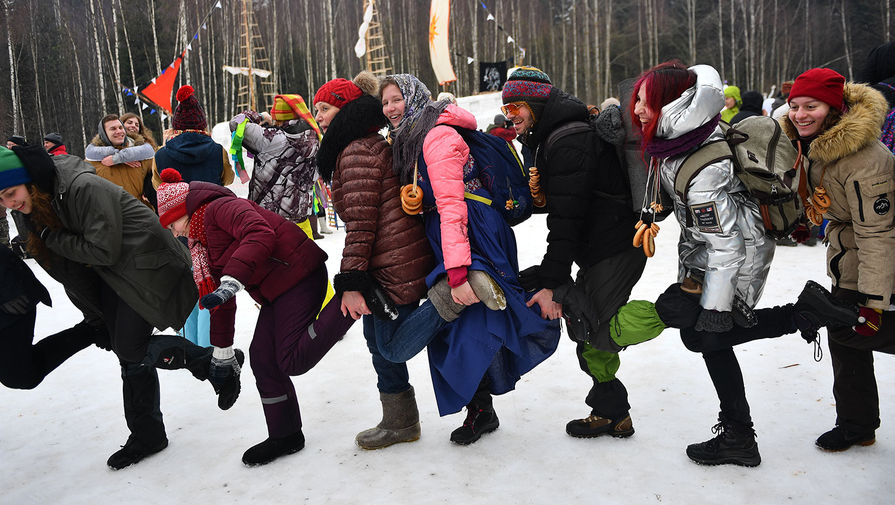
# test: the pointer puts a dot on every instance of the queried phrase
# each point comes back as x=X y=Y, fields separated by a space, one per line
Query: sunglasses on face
x=513 y=108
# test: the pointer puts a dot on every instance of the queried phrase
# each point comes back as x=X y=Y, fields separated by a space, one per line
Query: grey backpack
x=765 y=161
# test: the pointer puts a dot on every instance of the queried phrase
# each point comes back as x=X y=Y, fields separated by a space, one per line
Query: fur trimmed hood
x=859 y=126
x=355 y=120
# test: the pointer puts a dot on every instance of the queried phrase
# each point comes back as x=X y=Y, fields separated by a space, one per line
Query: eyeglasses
x=513 y=108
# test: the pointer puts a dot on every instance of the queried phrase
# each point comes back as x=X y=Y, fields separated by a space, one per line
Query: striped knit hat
x=530 y=85
x=171 y=197
x=288 y=107
x=12 y=171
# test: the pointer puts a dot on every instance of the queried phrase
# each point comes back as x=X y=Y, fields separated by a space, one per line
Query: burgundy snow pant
x=854 y=381
x=289 y=341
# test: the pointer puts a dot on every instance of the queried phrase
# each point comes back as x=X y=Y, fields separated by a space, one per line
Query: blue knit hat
x=12 y=171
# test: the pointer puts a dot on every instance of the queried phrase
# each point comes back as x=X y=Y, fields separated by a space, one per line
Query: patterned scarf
x=198 y=242
x=286 y=107
x=666 y=148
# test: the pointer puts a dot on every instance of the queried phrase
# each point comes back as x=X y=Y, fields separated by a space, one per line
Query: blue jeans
x=410 y=334
x=391 y=377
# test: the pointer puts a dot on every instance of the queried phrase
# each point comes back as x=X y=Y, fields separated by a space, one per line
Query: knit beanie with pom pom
x=189 y=114
x=171 y=197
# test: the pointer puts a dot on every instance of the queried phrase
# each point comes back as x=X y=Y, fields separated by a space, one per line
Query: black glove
x=223 y=373
x=227 y=290
x=529 y=278
x=17 y=306
x=714 y=321
x=19 y=246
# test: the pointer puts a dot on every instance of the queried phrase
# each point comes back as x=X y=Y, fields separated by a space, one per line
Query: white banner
x=439 y=49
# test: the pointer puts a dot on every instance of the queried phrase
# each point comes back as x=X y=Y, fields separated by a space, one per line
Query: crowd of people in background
x=146 y=237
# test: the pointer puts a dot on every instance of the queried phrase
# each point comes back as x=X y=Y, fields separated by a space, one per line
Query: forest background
x=68 y=62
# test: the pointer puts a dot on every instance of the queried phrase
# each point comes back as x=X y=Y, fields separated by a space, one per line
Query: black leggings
x=23 y=365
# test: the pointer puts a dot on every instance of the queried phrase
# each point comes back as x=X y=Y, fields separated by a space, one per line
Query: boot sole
x=394 y=442
x=728 y=461
x=863 y=443
x=478 y=435
x=816 y=296
x=405 y=435
x=617 y=434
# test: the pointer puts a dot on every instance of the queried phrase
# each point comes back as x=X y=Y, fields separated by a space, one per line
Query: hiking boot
x=816 y=308
x=273 y=448
x=133 y=451
x=380 y=304
x=593 y=426
x=400 y=422
x=440 y=296
x=477 y=423
x=839 y=439
x=486 y=289
x=732 y=445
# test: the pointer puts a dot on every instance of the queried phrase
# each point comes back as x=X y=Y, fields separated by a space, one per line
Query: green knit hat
x=12 y=171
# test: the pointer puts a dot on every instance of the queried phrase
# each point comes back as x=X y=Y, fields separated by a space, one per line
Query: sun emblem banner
x=439 y=49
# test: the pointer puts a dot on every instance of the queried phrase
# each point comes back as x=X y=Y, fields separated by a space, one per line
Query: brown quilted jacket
x=381 y=239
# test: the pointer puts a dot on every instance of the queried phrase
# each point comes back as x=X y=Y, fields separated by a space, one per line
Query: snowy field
x=54 y=440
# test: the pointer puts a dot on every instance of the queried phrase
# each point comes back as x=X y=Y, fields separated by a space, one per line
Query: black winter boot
x=594 y=426
x=734 y=444
x=839 y=439
x=133 y=451
x=273 y=448
x=480 y=417
x=816 y=308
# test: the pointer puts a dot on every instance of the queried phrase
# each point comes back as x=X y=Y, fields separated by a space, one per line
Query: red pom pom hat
x=189 y=114
x=822 y=84
x=171 y=194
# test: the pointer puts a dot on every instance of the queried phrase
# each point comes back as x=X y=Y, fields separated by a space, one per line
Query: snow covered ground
x=54 y=440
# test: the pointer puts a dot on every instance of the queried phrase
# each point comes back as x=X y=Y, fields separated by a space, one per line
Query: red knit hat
x=189 y=114
x=338 y=92
x=171 y=197
x=822 y=84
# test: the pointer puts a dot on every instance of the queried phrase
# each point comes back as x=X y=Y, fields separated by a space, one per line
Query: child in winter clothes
x=837 y=126
x=119 y=267
x=386 y=255
x=234 y=244
x=483 y=351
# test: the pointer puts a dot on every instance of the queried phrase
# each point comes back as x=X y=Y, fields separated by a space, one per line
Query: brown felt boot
x=400 y=422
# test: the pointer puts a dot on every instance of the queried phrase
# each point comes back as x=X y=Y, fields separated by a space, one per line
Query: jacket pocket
x=874 y=196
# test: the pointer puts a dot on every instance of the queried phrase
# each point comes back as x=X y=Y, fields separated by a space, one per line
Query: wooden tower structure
x=376 y=55
x=253 y=64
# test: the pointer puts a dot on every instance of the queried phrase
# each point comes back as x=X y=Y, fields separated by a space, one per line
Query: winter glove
x=17 y=306
x=223 y=373
x=714 y=321
x=871 y=320
x=529 y=278
x=227 y=290
x=19 y=246
x=801 y=234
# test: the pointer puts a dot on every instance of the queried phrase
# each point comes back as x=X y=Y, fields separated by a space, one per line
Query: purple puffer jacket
x=262 y=250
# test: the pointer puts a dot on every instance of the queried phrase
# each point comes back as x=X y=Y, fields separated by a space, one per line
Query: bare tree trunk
x=574 y=21
x=130 y=56
x=116 y=65
x=13 y=80
x=721 y=38
x=607 y=51
x=733 y=36
x=639 y=32
x=691 y=30
x=846 y=39
x=99 y=59
x=598 y=53
x=38 y=93
x=809 y=58
x=308 y=57
x=80 y=88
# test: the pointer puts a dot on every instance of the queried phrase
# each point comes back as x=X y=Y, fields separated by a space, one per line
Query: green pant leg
x=635 y=323
x=601 y=365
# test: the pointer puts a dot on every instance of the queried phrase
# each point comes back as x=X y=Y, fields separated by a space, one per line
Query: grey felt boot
x=440 y=296
x=400 y=422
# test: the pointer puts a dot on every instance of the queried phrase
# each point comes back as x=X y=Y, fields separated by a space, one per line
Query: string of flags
x=510 y=38
x=158 y=91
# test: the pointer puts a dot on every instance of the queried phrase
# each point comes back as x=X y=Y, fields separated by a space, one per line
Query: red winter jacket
x=266 y=253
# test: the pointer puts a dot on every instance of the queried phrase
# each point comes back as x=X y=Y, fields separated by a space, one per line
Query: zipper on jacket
x=860 y=201
x=279 y=261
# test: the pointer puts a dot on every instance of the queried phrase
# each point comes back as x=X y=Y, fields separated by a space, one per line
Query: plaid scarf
x=198 y=242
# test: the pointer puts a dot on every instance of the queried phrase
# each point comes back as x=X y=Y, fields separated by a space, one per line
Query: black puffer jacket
x=577 y=173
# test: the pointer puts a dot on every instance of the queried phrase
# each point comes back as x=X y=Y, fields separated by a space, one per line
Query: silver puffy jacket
x=727 y=245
